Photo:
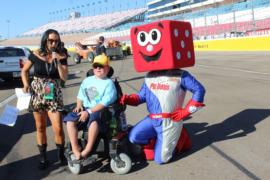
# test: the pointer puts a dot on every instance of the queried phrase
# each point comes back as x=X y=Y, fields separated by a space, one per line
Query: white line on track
x=234 y=69
x=7 y=100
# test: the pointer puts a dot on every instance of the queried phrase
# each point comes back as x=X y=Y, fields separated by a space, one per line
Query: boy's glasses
x=95 y=66
x=51 y=41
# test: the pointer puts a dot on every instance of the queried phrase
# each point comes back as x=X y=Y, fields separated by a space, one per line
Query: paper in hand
x=23 y=99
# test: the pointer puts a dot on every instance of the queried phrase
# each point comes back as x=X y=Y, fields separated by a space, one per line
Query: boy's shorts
x=96 y=116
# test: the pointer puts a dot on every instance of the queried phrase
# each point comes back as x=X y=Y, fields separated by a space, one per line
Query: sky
x=19 y=16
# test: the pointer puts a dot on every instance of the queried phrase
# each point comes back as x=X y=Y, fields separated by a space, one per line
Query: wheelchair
x=113 y=144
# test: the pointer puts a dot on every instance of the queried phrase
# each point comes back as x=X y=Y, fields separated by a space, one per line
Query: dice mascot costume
x=161 y=49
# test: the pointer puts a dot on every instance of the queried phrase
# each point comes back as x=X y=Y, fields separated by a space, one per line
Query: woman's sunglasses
x=51 y=41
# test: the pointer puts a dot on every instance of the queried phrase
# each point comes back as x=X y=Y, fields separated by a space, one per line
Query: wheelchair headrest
x=110 y=73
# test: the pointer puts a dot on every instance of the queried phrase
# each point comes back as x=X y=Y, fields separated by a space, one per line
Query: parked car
x=11 y=61
x=84 y=51
x=115 y=53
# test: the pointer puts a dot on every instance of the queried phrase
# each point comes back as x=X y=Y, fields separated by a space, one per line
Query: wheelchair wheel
x=74 y=168
x=121 y=166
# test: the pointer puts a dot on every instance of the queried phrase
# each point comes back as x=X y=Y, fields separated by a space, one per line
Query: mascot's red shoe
x=148 y=150
x=184 y=142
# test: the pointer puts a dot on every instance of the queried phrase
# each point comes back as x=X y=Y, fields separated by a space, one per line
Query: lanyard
x=49 y=68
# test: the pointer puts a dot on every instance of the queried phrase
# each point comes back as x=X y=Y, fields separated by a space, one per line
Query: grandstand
x=34 y=41
x=209 y=19
x=216 y=18
x=87 y=24
x=83 y=29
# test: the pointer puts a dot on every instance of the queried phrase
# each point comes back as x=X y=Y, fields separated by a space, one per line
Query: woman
x=50 y=68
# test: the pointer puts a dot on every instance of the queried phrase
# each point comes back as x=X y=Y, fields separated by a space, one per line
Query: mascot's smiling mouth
x=155 y=57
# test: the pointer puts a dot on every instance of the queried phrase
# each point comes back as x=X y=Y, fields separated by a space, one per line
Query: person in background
x=125 y=49
x=64 y=50
x=100 y=49
x=96 y=92
x=50 y=67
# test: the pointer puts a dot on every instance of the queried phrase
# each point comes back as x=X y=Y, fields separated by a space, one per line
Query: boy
x=96 y=92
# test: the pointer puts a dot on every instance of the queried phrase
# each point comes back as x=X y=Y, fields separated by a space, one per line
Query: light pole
x=8 y=21
x=253 y=18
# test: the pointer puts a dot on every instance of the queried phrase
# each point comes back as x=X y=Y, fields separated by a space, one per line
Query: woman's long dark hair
x=43 y=44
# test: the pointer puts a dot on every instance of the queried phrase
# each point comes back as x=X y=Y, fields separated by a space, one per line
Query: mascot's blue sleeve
x=188 y=82
x=142 y=93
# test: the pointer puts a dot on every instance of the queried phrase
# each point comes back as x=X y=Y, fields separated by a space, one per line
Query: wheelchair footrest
x=90 y=160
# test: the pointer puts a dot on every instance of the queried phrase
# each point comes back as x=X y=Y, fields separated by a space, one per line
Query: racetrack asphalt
x=230 y=135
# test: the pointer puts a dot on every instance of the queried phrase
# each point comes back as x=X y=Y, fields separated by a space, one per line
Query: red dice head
x=162 y=45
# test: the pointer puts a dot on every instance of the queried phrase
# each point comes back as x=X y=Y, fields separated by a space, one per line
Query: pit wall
x=234 y=44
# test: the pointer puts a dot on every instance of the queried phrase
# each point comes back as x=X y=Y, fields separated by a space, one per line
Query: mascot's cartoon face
x=151 y=47
x=162 y=45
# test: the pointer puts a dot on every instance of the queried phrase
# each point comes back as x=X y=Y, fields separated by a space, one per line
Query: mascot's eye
x=155 y=36
x=142 y=38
